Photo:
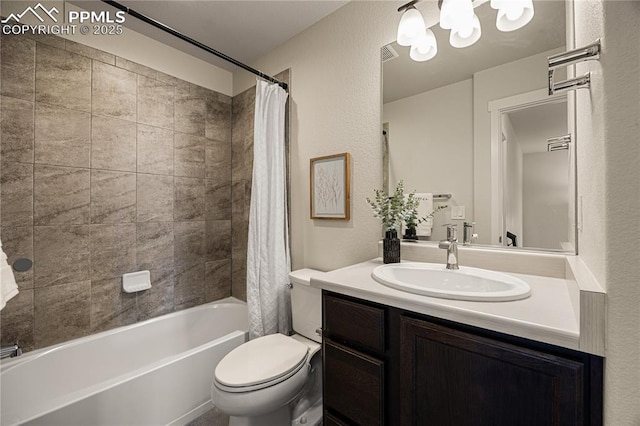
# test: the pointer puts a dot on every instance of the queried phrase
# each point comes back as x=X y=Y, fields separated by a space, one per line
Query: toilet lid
x=261 y=360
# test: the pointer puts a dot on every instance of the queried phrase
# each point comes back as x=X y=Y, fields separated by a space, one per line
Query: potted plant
x=390 y=209
x=410 y=216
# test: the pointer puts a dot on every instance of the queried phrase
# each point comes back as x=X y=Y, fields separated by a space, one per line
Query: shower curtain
x=268 y=263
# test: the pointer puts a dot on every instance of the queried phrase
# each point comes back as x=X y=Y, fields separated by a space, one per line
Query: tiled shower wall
x=110 y=167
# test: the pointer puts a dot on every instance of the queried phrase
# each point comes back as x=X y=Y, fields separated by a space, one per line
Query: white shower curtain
x=268 y=263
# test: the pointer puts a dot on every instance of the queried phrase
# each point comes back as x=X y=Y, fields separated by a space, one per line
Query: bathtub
x=156 y=372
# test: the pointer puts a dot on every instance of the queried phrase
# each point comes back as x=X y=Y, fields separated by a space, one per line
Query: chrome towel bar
x=586 y=53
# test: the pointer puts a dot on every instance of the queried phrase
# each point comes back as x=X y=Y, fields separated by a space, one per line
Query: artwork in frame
x=330 y=197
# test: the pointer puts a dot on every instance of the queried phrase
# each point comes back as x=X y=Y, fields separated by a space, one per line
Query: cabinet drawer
x=330 y=420
x=353 y=384
x=355 y=323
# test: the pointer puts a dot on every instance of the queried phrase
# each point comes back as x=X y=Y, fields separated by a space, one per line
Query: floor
x=212 y=417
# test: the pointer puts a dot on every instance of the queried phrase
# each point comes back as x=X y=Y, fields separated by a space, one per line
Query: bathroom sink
x=466 y=283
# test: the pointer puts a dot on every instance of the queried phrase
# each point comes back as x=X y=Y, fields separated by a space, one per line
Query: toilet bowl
x=261 y=382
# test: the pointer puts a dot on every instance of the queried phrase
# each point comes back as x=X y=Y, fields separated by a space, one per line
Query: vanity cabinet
x=386 y=366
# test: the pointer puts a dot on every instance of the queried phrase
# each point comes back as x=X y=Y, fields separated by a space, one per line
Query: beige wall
x=336 y=107
x=608 y=129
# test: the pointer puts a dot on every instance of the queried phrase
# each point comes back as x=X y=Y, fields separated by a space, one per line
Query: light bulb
x=425 y=48
x=411 y=27
x=453 y=11
x=513 y=14
x=467 y=34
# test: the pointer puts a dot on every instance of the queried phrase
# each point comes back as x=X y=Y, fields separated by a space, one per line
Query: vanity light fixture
x=459 y=17
x=513 y=14
x=412 y=27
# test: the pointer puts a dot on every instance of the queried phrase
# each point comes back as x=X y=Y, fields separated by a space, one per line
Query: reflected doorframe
x=497 y=108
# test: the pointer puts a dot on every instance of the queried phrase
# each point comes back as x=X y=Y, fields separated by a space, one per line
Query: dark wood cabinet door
x=353 y=384
x=452 y=378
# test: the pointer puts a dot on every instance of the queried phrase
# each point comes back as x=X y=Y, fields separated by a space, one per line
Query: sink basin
x=466 y=283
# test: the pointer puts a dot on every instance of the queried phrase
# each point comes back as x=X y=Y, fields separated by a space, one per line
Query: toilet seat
x=261 y=363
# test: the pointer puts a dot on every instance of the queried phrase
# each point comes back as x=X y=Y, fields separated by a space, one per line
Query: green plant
x=389 y=208
x=410 y=212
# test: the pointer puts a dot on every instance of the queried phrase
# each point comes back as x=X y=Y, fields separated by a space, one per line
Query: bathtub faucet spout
x=11 y=351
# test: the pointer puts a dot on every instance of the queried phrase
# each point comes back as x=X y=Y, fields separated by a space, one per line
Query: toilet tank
x=306 y=304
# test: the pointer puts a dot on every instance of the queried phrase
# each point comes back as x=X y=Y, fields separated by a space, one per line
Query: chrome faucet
x=451 y=246
x=11 y=351
x=468 y=233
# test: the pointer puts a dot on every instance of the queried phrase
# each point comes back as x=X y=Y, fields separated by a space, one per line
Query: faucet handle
x=452 y=231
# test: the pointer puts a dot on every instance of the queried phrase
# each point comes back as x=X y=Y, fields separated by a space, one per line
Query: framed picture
x=330 y=197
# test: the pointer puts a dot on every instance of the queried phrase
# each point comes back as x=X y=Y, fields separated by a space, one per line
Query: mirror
x=475 y=124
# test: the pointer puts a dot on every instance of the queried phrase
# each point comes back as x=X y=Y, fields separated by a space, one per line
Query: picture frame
x=330 y=195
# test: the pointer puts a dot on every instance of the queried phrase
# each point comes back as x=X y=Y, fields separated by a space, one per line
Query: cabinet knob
x=319 y=332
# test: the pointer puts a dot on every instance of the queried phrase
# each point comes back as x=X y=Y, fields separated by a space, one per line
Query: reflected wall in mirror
x=441 y=134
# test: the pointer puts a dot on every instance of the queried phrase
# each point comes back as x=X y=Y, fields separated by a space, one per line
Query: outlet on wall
x=458 y=212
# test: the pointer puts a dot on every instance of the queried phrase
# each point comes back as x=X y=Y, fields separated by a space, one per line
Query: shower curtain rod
x=189 y=40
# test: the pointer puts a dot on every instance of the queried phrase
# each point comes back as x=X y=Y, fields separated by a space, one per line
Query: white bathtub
x=157 y=372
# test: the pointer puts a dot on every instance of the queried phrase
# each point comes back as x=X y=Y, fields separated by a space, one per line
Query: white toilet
x=275 y=380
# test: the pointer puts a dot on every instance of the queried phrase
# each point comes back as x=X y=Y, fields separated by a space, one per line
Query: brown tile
x=63 y=78
x=218 y=160
x=113 y=91
x=17 y=129
x=218 y=119
x=188 y=199
x=217 y=280
x=155 y=198
x=48 y=39
x=113 y=144
x=189 y=155
x=239 y=275
x=189 y=243
x=136 y=68
x=113 y=197
x=62 y=312
x=16 y=192
x=217 y=200
x=17 y=321
x=189 y=287
x=212 y=417
x=89 y=52
x=18 y=67
x=113 y=250
x=60 y=254
x=154 y=245
x=158 y=300
x=17 y=243
x=238 y=198
x=239 y=234
x=217 y=240
x=190 y=115
x=110 y=306
x=169 y=79
x=155 y=103
x=61 y=195
x=155 y=150
x=62 y=137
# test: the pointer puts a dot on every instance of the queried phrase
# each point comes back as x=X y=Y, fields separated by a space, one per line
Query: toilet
x=275 y=380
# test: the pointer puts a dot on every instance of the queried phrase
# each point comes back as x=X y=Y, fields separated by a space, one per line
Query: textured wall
x=608 y=129
x=108 y=167
x=335 y=107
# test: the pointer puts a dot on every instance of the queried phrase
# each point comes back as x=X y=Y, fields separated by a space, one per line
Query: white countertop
x=546 y=316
